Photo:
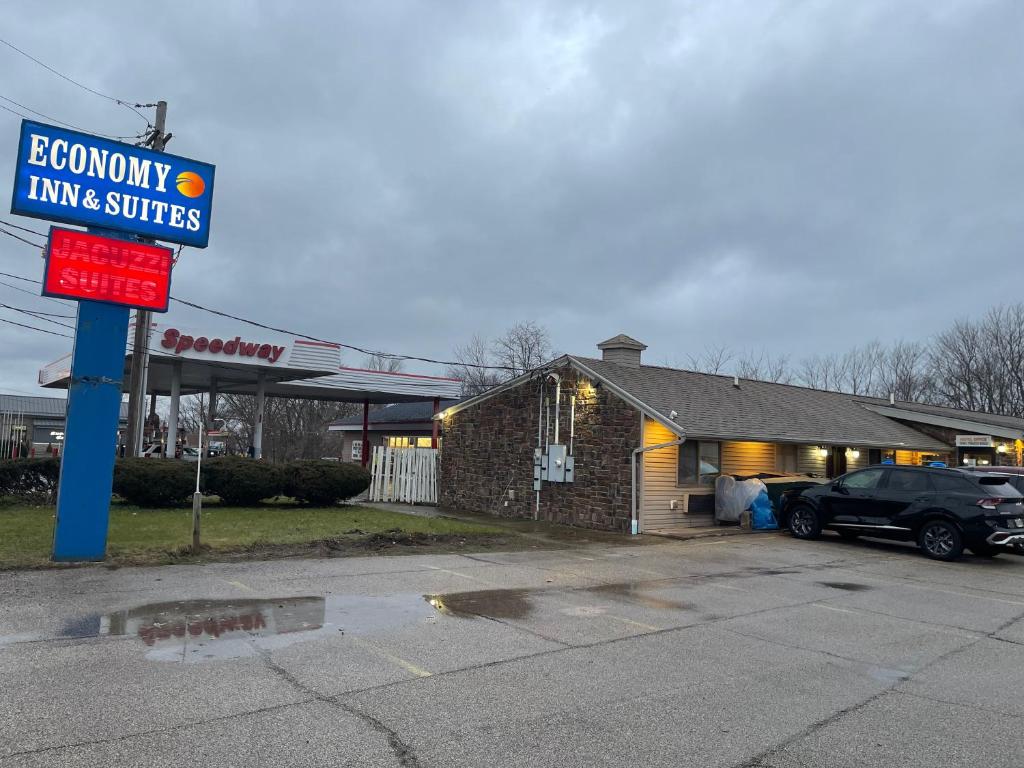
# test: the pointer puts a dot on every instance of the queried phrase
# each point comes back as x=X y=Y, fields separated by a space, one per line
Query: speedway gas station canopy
x=288 y=367
x=189 y=361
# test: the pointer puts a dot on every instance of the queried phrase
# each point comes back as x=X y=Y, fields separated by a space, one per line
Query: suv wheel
x=803 y=523
x=940 y=540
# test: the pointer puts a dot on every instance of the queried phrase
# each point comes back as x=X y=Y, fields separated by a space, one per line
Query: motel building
x=609 y=442
x=215 y=361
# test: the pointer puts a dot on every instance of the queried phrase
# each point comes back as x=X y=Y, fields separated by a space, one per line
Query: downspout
x=634 y=519
x=572 y=421
x=540 y=440
x=558 y=400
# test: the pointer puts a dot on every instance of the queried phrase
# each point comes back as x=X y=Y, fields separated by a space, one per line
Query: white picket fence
x=404 y=474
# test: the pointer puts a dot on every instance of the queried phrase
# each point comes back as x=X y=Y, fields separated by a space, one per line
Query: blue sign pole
x=90 y=434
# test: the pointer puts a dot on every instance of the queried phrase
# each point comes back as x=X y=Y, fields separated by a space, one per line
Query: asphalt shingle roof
x=41 y=407
x=709 y=405
x=399 y=413
x=953 y=413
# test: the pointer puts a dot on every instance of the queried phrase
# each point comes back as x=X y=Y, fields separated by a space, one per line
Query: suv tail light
x=989 y=503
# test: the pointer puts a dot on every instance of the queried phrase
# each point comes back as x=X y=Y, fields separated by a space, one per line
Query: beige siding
x=747 y=458
x=808 y=462
x=658 y=480
x=858 y=463
x=658 y=487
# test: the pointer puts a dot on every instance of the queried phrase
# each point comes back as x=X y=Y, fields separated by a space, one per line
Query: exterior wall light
x=854 y=454
x=1001 y=448
x=822 y=452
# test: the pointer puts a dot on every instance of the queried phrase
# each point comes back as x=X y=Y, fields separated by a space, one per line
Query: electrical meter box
x=556 y=463
x=553 y=464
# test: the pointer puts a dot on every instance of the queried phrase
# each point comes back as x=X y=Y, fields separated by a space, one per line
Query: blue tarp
x=761 y=516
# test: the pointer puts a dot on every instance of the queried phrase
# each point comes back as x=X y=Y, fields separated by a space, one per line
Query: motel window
x=357 y=450
x=403 y=441
x=699 y=462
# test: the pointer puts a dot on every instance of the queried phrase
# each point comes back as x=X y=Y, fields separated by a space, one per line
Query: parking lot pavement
x=742 y=651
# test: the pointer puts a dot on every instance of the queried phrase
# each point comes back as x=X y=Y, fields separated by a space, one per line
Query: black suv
x=943 y=510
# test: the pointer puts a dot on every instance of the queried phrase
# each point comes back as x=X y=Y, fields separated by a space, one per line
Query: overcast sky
x=793 y=176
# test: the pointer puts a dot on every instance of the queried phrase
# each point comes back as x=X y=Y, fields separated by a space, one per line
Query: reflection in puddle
x=488 y=603
x=639 y=592
x=518 y=603
x=200 y=630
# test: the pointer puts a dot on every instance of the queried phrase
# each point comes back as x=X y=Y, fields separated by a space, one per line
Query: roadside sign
x=81 y=265
x=974 y=441
x=63 y=175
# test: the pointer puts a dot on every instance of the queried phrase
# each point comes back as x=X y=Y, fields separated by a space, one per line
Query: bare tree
x=711 y=360
x=903 y=372
x=860 y=369
x=384 y=363
x=522 y=347
x=292 y=428
x=473 y=367
x=764 y=367
x=826 y=372
x=482 y=364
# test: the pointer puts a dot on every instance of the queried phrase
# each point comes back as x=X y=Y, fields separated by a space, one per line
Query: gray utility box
x=556 y=466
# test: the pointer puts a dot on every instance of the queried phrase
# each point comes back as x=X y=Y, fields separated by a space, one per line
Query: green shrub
x=30 y=480
x=324 y=482
x=154 y=482
x=242 y=482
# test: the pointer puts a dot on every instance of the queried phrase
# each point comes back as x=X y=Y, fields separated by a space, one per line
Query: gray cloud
x=796 y=176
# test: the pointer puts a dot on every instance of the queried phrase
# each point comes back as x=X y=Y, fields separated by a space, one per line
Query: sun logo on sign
x=190 y=184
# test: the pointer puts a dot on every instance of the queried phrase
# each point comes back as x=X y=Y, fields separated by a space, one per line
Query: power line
x=23 y=229
x=15 y=112
x=297 y=334
x=386 y=355
x=40 y=314
x=122 y=102
x=37 y=316
x=64 y=122
x=34 y=328
x=19 y=277
x=19 y=237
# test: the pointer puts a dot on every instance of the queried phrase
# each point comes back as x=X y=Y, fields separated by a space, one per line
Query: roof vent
x=622 y=350
x=892 y=398
x=736 y=381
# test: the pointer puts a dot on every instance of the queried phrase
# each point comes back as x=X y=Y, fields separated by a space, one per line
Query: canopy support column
x=171 y=449
x=364 y=459
x=435 y=424
x=261 y=399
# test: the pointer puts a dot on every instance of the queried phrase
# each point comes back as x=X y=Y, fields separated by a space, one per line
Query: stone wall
x=488 y=451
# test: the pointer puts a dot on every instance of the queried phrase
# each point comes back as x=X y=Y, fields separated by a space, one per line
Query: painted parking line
x=833 y=608
x=408 y=666
x=456 y=573
x=624 y=620
x=240 y=585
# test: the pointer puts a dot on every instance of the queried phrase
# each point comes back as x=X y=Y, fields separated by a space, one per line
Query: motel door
x=836 y=464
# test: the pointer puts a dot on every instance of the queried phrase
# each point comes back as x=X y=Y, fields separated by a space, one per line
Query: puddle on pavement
x=488 y=603
x=202 y=630
x=849 y=586
x=640 y=592
x=518 y=603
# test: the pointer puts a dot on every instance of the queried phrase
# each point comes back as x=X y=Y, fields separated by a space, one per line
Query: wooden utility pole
x=137 y=380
